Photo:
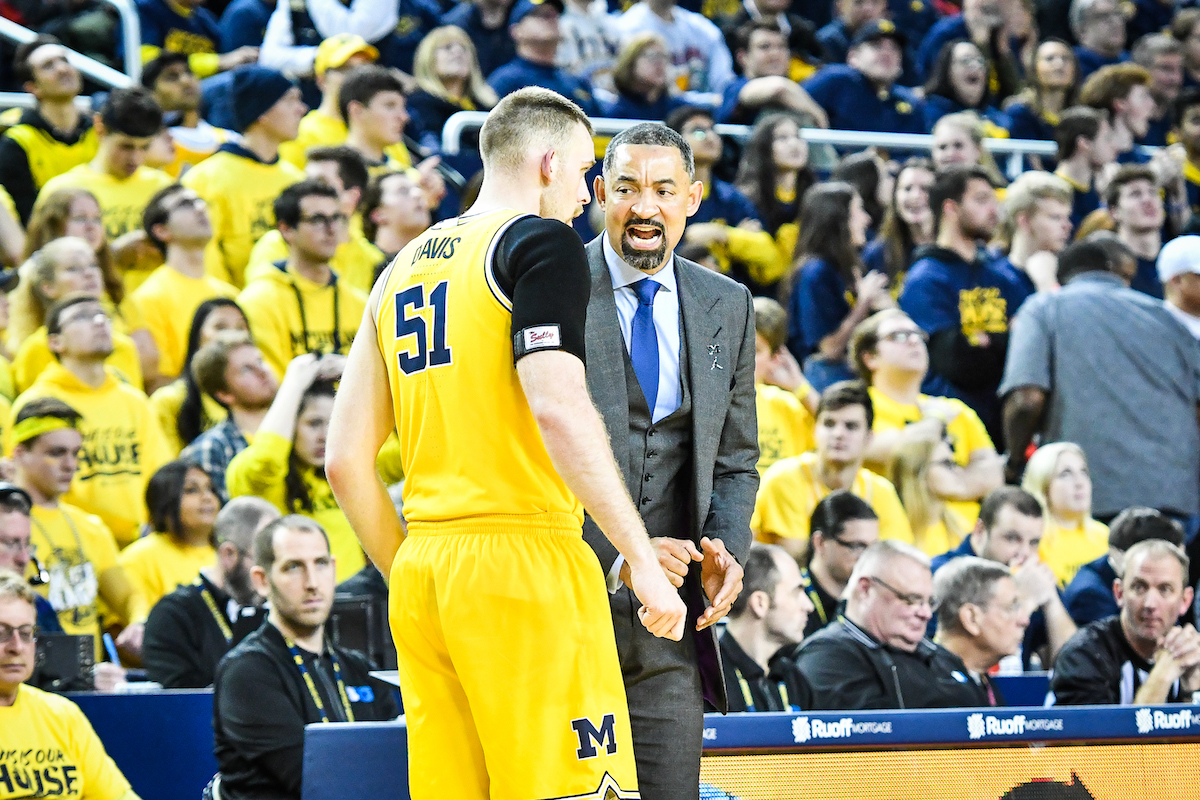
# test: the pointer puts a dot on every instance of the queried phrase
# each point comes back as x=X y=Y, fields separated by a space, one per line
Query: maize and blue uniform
x=852 y=103
x=507 y=658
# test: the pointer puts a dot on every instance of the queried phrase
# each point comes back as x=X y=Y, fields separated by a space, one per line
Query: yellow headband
x=32 y=427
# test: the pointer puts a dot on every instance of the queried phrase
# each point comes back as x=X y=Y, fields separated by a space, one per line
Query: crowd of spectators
x=187 y=260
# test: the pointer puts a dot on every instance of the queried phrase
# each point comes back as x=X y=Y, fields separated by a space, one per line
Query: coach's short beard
x=644 y=260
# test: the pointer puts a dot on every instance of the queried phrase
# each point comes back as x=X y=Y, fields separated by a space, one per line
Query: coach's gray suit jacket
x=717 y=323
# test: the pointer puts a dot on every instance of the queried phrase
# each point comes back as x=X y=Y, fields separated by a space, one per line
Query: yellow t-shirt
x=966 y=432
x=8 y=389
x=354 y=261
x=291 y=315
x=318 y=129
x=938 y=539
x=122 y=447
x=790 y=490
x=48 y=156
x=167 y=301
x=34 y=356
x=167 y=402
x=49 y=749
x=261 y=470
x=240 y=192
x=156 y=564
x=1065 y=550
x=76 y=549
x=122 y=200
x=785 y=426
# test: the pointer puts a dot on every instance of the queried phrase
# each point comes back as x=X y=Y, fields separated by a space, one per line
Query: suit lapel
x=606 y=357
x=709 y=364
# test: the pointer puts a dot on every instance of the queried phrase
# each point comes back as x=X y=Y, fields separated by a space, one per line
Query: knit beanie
x=255 y=89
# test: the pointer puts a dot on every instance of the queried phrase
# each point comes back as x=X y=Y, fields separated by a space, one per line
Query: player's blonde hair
x=527 y=118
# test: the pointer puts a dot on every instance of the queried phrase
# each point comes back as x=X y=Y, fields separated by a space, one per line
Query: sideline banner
x=1065 y=772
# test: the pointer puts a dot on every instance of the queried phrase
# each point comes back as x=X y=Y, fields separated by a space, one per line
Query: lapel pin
x=714 y=350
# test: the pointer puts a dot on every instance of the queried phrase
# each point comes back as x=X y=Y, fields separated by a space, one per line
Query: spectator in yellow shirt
x=926 y=476
x=792 y=487
x=889 y=352
x=285 y=463
x=394 y=211
x=65 y=266
x=183 y=509
x=177 y=224
x=1057 y=475
x=125 y=126
x=122 y=444
x=183 y=410
x=176 y=88
x=75 y=549
x=241 y=181
x=301 y=306
x=45 y=740
x=324 y=125
x=784 y=400
x=356 y=258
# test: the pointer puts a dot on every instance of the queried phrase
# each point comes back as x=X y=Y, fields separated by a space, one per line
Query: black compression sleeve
x=540 y=264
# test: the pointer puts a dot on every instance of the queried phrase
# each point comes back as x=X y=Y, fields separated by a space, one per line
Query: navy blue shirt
x=1026 y=124
x=835 y=39
x=1090 y=61
x=1152 y=16
x=244 y=24
x=724 y=204
x=163 y=27
x=1019 y=277
x=820 y=295
x=47 y=617
x=937 y=106
x=1082 y=203
x=853 y=103
x=493 y=47
x=519 y=73
x=1156 y=134
x=1089 y=595
x=913 y=18
x=1145 y=280
x=417 y=18
x=629 y=106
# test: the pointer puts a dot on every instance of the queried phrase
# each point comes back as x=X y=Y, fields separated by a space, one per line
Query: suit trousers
x=666 y=706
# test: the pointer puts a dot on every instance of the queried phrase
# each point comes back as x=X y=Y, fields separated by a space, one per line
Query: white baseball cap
x=1180 y=255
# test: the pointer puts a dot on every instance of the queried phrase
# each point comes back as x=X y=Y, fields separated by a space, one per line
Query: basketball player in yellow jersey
x=472 y=349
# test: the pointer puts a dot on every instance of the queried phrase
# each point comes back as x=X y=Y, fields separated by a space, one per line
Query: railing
x=101 y=73
x=1015 y=149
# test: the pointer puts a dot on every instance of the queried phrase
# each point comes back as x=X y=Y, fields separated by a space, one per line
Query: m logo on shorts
x=591 y=737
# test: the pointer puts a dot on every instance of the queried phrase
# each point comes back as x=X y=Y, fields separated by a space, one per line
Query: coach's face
x=647 y=198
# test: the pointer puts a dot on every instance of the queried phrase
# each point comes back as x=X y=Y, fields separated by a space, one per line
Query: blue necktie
x=643 y=343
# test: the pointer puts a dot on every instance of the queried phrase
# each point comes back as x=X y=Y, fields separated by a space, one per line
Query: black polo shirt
x=261 y=704
x=1098 y=667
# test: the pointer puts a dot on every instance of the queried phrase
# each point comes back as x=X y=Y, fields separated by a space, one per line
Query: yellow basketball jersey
x=470 y=444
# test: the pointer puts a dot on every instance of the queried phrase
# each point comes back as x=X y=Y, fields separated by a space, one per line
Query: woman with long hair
x=63 y=266
x=1053 y=84
x=869 y=175
x=775 y=174
x=183 y=509
x=907 y=223
x=1057 y=475
x=76 y=212
x=926 y=478
x=641 y=77
x=959 y=82
x=830 y=293
x=285 y=463
x=183 y=411
x=446 y=68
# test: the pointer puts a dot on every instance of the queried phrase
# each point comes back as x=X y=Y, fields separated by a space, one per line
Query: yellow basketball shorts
x=508 y=665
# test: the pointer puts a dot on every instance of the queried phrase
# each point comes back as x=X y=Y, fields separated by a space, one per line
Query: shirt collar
x=623 y=275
